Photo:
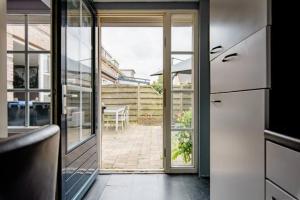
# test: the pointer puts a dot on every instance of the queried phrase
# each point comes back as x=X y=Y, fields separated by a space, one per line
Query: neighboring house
x=181 y=72
x=110 y=71
x=128 y=72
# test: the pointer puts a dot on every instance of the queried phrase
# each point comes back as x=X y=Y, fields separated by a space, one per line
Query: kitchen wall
x=3 y=107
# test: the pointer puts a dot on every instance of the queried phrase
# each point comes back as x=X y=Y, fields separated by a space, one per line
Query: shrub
x=184 y=144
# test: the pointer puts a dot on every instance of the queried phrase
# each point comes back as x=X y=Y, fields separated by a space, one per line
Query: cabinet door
x=282 y=167
x=275 y=193
x=243 y=67
x=237 y=145
x=232 y=21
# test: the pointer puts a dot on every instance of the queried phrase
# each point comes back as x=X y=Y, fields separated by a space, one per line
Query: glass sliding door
x=75 y=100
x=181 y=99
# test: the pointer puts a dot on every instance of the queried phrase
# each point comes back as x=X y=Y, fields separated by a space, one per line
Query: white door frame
x=168 y=98
x=166 y=14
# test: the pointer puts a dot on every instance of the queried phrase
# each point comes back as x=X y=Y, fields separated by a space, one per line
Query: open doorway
x=132 y=129
x=147 y=92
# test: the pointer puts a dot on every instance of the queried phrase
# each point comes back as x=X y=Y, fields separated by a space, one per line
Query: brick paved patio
x=137 y=147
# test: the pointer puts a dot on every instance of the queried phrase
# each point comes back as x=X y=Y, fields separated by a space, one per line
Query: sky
x=138 y=48
x=141 y=48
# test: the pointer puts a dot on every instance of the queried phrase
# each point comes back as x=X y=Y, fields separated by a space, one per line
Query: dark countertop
x=290 y=142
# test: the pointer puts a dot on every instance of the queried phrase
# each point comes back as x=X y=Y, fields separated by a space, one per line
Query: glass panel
x=39 y=32
x=73 y=118
x=73 y=43
x=86 y=115
x=79 y=73
x=182 y=32
x=16 y=108
x=182 y=113
x=15 y=32
x=79 y=116
x=182 y=148
x=16 y=72
x=39 y=71
x=40 y=109
x=182 y=70
x=86 y=47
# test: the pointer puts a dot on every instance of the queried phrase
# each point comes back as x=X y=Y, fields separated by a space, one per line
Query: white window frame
x=26 y=52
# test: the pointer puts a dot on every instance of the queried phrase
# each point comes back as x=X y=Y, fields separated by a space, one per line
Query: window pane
x=182 y=32
x=86 y=115
x=73 y=43
x=39 y=32
x=73 y=118
x=182 y=148
x=86 y=45
x=182 y=70
x=16 y=73
x=79 y=45
x=39 y=71
x=182 y=115
x=15 y=32
x=16 y=108
x=39 y=105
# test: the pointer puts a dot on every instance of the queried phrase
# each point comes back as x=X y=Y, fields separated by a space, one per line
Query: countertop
x=290 y=142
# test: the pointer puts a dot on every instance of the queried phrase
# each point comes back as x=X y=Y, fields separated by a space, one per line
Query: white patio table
x=116 y=111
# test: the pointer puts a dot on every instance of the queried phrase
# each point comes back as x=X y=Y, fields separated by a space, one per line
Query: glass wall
x=28 y=70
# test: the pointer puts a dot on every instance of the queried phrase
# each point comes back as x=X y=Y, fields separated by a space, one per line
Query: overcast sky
x=138 y=48
x=141 y=48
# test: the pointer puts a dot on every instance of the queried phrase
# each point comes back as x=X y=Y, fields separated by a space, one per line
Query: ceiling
x=28 y=5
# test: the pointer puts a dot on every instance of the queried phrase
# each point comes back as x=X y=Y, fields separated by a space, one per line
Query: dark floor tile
x=150 y=187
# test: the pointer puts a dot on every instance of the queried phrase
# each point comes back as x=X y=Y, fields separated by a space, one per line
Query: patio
x=136 y=147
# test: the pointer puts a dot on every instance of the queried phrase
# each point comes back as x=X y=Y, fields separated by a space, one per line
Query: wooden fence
x=145 y=104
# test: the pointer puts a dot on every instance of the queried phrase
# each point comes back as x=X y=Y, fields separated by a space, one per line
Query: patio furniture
x=29 y=163
x=116 y=115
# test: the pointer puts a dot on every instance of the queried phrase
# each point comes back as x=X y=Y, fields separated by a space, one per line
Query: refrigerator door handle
x=216 y=101
x=225 y=59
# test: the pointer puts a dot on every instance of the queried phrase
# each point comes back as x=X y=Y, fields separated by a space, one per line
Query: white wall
x=3 y=103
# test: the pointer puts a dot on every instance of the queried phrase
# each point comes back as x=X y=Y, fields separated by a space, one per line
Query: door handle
x=71 y=95
x=64 y=99
x=225 y=59
x=216 y=101
x=215 y=49
x=273 y=198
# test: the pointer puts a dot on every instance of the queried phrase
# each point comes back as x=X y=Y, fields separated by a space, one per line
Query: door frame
x=168 y=97
x=166 y=14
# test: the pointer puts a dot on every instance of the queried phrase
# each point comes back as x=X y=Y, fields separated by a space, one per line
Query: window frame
x=26 y=52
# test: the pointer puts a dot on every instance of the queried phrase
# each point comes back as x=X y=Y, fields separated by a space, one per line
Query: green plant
x=184 y=145
x=158 y=85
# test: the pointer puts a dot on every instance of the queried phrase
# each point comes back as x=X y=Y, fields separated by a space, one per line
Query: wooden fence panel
x=145 y=104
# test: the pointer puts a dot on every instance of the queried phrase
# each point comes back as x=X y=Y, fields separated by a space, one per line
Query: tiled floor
x=149 y=187
x=136 y=147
